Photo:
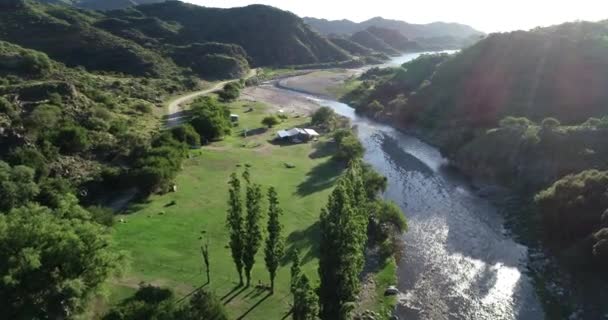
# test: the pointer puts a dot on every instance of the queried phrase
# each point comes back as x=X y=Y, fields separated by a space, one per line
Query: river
x=460 y=262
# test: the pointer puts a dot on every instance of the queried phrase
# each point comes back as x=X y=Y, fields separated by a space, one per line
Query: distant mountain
x=166 y=38
x=452 y=34
x=102 y=4
x=271 y=37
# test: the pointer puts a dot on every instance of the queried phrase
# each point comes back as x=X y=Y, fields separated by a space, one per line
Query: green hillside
x=253 y=27
x=43 y=27
x=525 y=109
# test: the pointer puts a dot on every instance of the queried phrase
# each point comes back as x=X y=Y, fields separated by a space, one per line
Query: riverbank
x=563 y=291
x=456 y=240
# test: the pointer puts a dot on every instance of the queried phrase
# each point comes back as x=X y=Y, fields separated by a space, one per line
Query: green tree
x=234 y=223
x=53 y=261
x=270 y=121
x=305 y=300
x=253 y=229
x=324 y=117
x=17 y=186
x=296 y=271
x=185 y=133
x=231 y=92
x=203 y=305
x=342 y=244
x=349 y=146
x=210 y=119
x=273 y=253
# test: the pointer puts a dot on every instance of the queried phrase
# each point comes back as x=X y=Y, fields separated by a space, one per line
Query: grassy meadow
x=163 y=236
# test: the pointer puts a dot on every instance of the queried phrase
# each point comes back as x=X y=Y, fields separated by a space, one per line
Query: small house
x=234 y=117
x=297 y=135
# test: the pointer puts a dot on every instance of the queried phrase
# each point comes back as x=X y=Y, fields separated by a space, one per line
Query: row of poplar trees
x=245 y=228
x=343 y=222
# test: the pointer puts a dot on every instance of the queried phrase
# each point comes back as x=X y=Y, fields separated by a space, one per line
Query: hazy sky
x=487 y=16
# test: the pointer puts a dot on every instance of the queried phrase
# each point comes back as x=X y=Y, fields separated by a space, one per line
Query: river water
x=459 y=262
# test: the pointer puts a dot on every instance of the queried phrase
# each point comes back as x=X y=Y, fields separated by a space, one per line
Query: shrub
x=43 y=118
x=30 y=157
x=102 y=215
x=17 y=186
x=270 y=121
x=210 y=119
x=231 y=92
x=143 y=107
x=572 y=207
x=72 y=139
x=348 y=145
x=185 y=133
x=324 y=117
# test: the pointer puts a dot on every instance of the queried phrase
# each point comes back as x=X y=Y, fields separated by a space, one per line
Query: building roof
x=311 y=132
x=296 y=131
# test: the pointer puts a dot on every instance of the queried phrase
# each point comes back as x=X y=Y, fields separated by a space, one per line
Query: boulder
x=391 y=291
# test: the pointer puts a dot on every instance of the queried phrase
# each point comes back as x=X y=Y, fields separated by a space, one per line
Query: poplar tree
x=343 y=239
x=234 y=223
x=296 y=270
x=274 y=249
x=305 y=300
x=253 y=230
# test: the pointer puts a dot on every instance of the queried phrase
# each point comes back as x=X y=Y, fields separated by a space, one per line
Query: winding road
x=175 y=112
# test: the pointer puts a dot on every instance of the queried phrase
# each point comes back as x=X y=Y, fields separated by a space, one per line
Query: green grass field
x=164 y=241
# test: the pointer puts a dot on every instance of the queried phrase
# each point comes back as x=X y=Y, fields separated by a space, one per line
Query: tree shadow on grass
x=320 y=178
x=254 y=132
x=229 y=298
x=323 y=149
x=254 y=306
x=305 y=241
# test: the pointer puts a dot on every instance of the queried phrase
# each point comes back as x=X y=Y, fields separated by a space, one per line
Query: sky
x=488 y=16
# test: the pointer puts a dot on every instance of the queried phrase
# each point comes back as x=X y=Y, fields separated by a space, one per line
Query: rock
x=391 y=291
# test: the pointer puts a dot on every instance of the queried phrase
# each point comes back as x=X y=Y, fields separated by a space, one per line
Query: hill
x=102 y=4
x=436 y=33
x=43 y=27
x=253 y=27
x=525 y=109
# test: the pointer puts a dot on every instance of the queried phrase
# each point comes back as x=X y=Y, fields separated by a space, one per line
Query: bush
x=102 y=215
x=53 y=191
x=349 y=146
x=43 y=118
x=143 y=107
x=324 y=117
x=270 y=121
x=30 y=157
x=159 y=165
x=572 y=207
x=185 y=133
x=210 y=119
x=72 y=139
x=17 y=186
x=231 y=92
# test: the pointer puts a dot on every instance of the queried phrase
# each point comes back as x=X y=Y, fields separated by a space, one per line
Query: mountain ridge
x=409 y=30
